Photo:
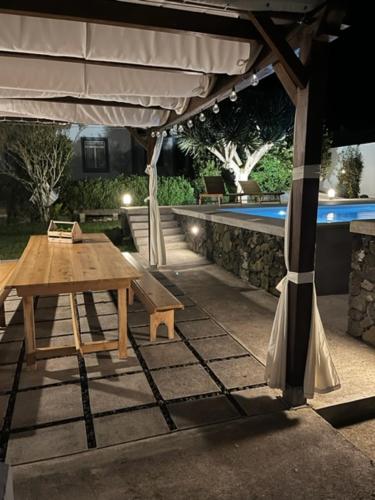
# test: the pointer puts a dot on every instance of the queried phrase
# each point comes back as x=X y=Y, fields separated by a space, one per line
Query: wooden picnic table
x=50 y=268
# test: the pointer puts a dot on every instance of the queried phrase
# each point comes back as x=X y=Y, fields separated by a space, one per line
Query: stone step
x=167 y=239
x=144 y=217
x=167 y=231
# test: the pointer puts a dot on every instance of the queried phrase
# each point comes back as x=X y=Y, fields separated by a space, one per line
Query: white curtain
x=320 y=373
x=156 y=243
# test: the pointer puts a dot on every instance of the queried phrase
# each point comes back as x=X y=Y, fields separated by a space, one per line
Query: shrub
x=107 y=193
x=349 y=177
x=274 y=171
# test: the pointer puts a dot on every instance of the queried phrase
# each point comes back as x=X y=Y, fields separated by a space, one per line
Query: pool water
x=326 y=213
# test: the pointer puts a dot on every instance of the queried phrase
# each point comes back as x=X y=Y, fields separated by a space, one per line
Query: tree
x=350 y=175
x=243 y=132
x=36 y=155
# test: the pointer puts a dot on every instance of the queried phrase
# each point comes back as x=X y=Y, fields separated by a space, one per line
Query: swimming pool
x=327 y=214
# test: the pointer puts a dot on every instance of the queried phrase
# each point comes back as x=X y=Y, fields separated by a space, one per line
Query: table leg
x=122 y=323
x=28 y=316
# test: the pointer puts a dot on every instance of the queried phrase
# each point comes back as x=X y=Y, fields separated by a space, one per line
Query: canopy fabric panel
x=97 y=42
x=83 y=113
x=98 y=81
x=177 y=104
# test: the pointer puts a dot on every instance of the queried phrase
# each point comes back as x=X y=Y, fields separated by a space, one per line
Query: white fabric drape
x=85 y=114
x=320 y=373
x=156 y=243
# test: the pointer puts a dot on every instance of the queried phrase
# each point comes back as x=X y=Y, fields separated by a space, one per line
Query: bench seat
x=6 y=269
x=158 y=301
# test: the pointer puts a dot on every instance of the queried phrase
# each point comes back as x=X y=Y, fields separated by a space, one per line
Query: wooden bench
x=158 y=301
x=6 y=269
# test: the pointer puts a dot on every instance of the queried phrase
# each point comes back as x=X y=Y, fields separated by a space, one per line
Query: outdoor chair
x=215 y=189
x=252 y=190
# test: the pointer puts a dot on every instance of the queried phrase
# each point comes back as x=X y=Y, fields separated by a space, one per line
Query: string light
x=153 y=134
x=254 y=80
x=215 y=108
x=164 y=133
x=190 y=123
x=233 y=96
x=180 y=129
x=202 y=117
x=158 y=133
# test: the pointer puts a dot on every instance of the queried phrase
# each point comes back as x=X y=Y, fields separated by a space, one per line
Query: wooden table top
x=51 y=268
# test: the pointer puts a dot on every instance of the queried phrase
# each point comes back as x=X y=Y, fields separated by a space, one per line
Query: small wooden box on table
x=47 y=268
x=158 y=301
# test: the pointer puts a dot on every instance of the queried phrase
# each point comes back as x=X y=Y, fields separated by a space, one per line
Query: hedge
x=107 y=193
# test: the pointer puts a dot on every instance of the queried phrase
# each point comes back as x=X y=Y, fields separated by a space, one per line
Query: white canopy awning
x=83 y=113
x=96 y=42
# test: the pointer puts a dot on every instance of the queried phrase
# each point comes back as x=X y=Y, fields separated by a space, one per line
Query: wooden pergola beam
x=281 y=48
x=132 y=15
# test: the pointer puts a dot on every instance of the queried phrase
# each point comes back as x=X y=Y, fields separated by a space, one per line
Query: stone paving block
x=124 y=427
x=182 y=382
x=84 y=298
x=52 y=301
x=99 y=323
x=238 y=372
x=3 y=408
x=175 y=353
x=50 y=371
x=7 y=373
x=14 y=317
x=13 y=305
x=97 y=309
x=174 y=289
x=202 y=411
x=53 y=313
x=11 y=333
x=141 y=335
x=9 y=352
x=189 y=314
x=184 y=299
x=53 y=328
x=201 y=328
x=218 y=347
x=108 y=363
x=118 y=392
x=47 y=442
x=47 y=405
x=260 y=400
x=138 y=318
x=136 y=306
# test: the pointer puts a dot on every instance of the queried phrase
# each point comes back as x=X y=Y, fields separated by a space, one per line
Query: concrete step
x=167 y=231
x=172 y=238
x=168 y=246
x=144 y=217
x=164 y=224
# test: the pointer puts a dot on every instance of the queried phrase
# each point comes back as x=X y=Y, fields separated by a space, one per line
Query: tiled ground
x=70 y=404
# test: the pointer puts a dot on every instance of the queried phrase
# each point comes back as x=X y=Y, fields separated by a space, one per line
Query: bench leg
x=158 y=318
x=2 y=315
x=28 y=316
x=130 y=296
x=122 y=323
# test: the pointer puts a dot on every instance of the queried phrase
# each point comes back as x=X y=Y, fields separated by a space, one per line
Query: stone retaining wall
x=253 y=256
x=362 y=289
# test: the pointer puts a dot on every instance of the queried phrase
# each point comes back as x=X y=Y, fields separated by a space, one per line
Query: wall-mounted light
x=127 y=199
x=194 y=230
x=331 y=193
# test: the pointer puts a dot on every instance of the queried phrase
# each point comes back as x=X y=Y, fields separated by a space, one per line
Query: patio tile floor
x=98 y=400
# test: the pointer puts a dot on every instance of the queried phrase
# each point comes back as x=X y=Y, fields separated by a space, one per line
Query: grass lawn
x=14 y=237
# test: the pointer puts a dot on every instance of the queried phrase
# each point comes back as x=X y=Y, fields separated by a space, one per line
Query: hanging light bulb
x=180 y=129
x=233 y=96
x=153 y=134
x=254 y=80
x=190 y=123
x=158 y=134
x=215 y=108
x=164 y=133
x=343 y=171
x=202 y=117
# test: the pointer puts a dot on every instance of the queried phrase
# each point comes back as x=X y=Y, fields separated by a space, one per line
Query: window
x=95 y=155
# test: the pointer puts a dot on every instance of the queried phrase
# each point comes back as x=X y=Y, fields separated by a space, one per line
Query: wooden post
x=308 y=131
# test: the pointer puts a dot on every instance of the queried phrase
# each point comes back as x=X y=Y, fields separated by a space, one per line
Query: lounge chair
x=252 y=190
x=215 y=189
